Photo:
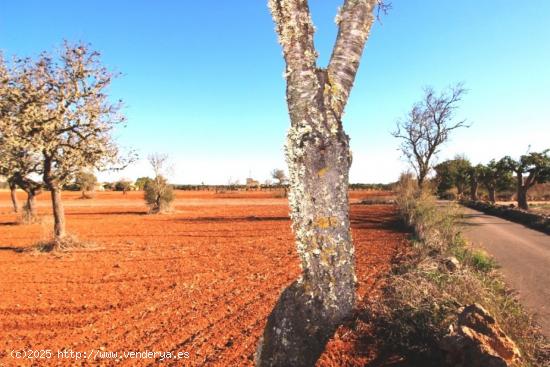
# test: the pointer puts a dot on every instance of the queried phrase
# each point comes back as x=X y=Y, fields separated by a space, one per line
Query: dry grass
x=423 y=293
x=67 y=243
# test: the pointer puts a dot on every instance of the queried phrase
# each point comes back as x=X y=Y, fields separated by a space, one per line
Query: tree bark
x=522 y=192
x=58 y=214
x=13 y=195
x=57 y=206
x=473 y=188
x=492 y=195
x=31 y=208
x=318 y=157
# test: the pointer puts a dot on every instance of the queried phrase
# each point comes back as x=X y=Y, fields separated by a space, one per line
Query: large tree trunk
x=521 y=192
x=317 y=151
x=522 y=198
x=31 y=207
x=13 y=195
x=310 y=310
x=58 y=214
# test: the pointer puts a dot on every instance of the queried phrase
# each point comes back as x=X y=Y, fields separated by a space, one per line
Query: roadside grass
x=439 y=274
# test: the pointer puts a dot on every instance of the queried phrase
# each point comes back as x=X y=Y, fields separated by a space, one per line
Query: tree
x=72 y=123
x=158 y=193
x=19 y=95
x=318 y=157
x=85 y=181
x=537 y=167
x=141 y=182
x=453 y=173
x=475 y=173
x=123 y=185
x=427 y=128
x=280 y=176
x=495 y=176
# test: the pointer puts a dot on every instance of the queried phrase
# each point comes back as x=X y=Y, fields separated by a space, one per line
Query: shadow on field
x=12 y=248
x=8 y=224
x=234 y=219
x=129 y=212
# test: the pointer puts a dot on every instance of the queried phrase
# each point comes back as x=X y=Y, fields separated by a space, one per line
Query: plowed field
x=200 y=280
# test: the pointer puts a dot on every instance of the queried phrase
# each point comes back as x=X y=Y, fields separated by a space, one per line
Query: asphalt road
x=522 y=253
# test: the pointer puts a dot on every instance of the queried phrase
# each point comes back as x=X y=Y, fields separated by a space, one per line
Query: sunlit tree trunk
x=58 y=214
x=31 y=207
x=13 y=195
x=522 y=188
x=57 y=205
x=317 y=151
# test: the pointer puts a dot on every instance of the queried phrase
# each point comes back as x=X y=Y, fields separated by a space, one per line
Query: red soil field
x=200 y=280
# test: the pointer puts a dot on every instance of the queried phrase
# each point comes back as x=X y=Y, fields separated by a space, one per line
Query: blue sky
x=202 y=81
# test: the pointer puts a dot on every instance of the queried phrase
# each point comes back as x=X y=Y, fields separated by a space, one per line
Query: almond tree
x=18 y=159
x=318 y=156
x=72 y=129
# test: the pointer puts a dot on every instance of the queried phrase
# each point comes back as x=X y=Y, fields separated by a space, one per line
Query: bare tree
x=279 y=175
x=318 y=157
x=427 y=128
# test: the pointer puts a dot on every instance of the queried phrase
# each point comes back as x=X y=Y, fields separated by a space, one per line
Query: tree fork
x=318 y=157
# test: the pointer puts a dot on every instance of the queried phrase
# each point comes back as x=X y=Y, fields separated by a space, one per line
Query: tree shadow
x=251 y=218
x=13 y=248
x=8 y=224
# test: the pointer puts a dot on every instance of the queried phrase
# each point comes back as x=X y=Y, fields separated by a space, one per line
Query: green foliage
x=496 y=175
x=122 y=185
x=158 y=195
x=535 y=164
x=85 y=181
x=453 y=173
x=142 y=182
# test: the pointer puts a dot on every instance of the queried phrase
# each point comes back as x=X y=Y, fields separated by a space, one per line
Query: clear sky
x=202 y=81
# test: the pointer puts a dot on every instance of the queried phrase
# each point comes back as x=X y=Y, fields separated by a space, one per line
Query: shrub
x=158 y=195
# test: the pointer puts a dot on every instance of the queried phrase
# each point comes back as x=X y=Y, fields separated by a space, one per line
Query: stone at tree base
x=478 y=341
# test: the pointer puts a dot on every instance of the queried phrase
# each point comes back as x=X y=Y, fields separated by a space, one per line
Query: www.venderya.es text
x=95 y=354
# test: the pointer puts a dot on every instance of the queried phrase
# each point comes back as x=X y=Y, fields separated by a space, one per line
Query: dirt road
x=523 y=254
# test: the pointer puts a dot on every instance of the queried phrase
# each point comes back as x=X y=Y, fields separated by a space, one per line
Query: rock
x=451 y=263
x=478 y=341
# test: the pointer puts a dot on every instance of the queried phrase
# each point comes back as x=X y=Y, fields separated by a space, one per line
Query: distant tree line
x=503 y=175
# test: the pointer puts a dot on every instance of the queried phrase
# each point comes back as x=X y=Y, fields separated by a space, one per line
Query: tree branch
x=354 y=20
